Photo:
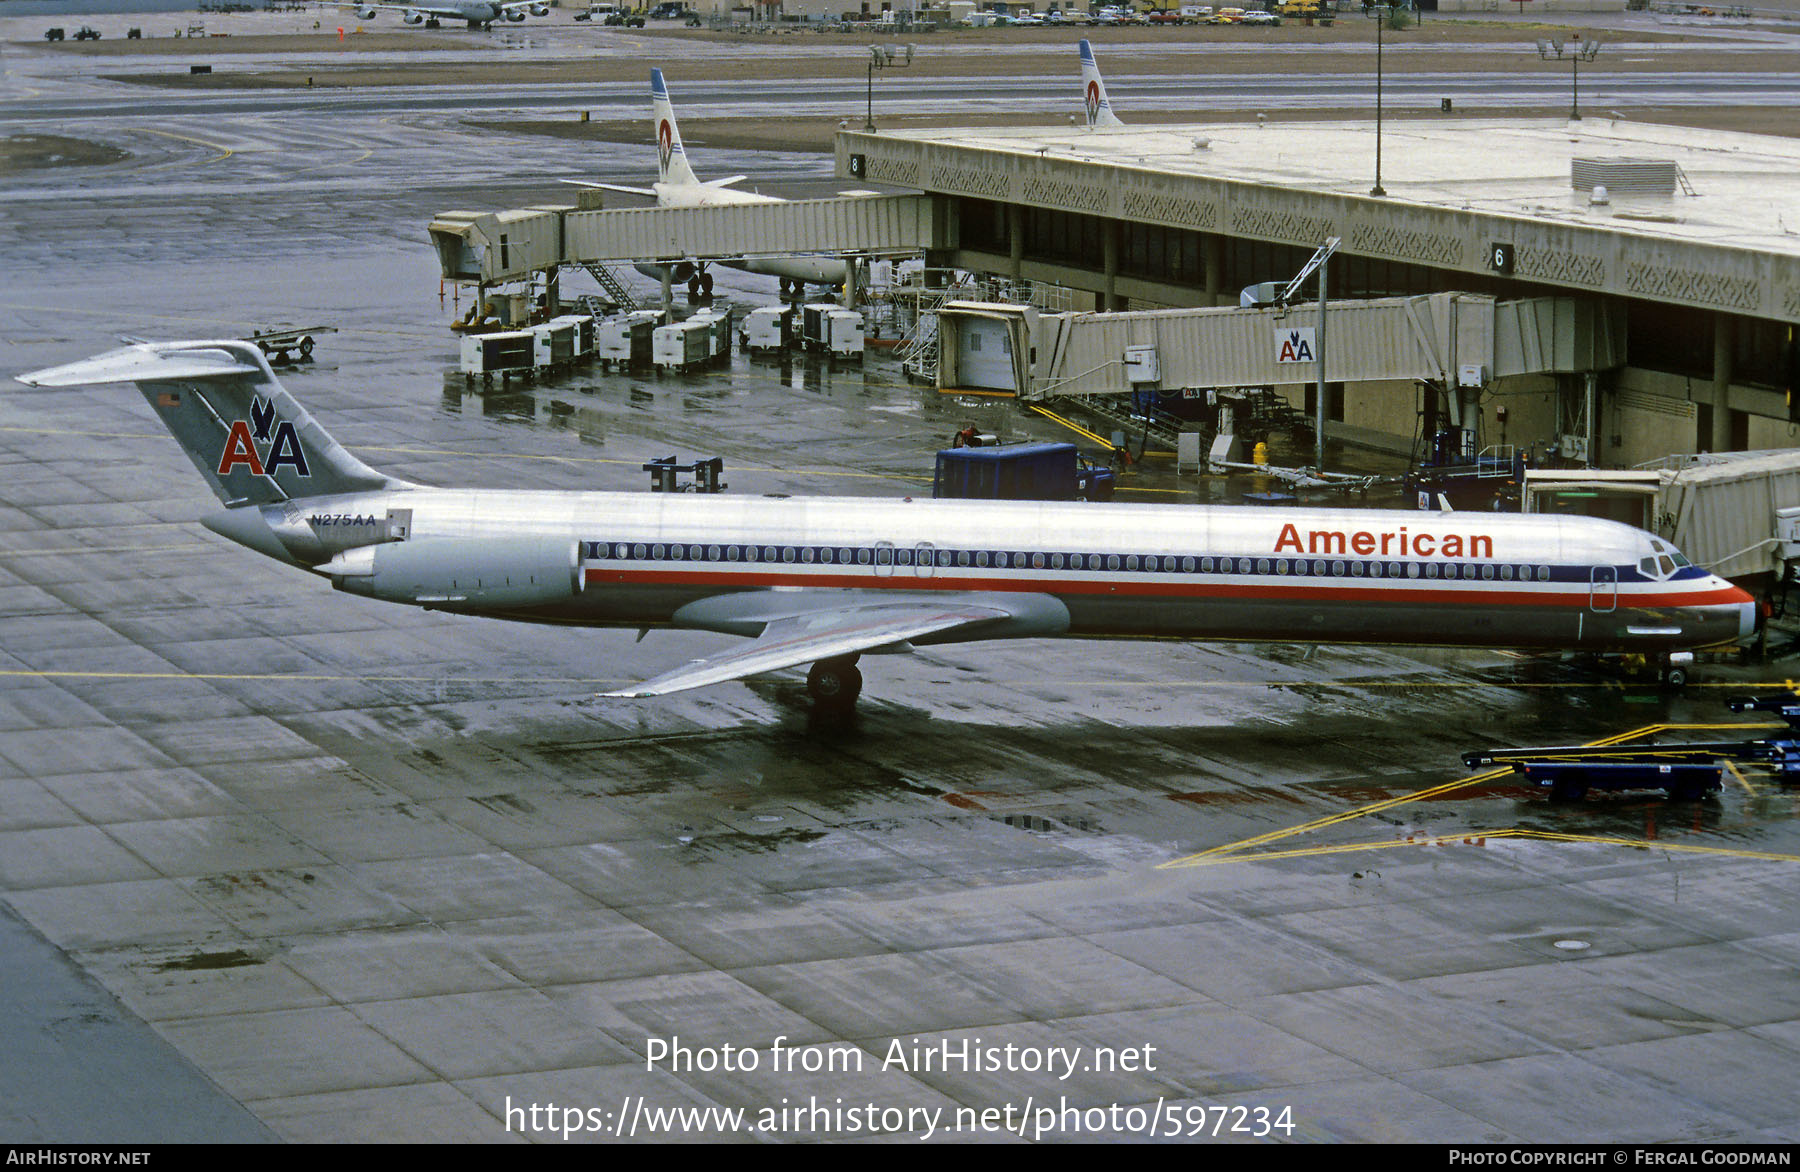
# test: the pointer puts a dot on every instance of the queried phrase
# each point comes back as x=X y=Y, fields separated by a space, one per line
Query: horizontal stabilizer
x=148 y=362
x=808 y=638
x=727 y=181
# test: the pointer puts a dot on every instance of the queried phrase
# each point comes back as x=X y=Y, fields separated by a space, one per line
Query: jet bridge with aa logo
x=1459 y=341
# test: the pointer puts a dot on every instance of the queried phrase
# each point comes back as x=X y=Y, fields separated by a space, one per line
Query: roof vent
x=1624 y=176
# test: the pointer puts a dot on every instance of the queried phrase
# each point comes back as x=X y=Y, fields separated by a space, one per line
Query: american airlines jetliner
x=678 y=187
x=822 y=580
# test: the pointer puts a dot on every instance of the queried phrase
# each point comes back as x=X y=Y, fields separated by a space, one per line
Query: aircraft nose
x=1749 y=611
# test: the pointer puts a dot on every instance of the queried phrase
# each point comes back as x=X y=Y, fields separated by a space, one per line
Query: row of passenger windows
x=1015 y=560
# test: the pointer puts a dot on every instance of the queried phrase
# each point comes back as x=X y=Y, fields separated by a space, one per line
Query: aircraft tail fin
x=671 y=160
x=250 y=440
x=1093 y=91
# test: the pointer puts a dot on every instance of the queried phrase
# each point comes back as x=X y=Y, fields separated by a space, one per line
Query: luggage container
x=844 y=334
x=554 y=347
x=768 y=329
x=583 y=336
x=682 y=346
x=1020 y=472
x=718 y=325
x=505 y=353
x=624 y=339
x=813 y=323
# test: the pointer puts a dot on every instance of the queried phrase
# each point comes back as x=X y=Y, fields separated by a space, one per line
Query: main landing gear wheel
x=694 y=287
x=835 y=684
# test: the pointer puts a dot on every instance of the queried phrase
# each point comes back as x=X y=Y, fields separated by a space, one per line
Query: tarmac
x=287 y=864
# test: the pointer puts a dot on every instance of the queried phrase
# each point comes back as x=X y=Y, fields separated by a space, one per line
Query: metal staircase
x=615 y=288
x=918 y=354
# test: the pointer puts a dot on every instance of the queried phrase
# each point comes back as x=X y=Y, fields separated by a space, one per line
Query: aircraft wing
x=824 y=634
x=612 y=187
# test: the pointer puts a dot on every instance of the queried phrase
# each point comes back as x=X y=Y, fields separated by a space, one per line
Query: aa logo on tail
x=279 y=443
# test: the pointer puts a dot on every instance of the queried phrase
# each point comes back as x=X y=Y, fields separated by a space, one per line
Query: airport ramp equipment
x=1687 y=771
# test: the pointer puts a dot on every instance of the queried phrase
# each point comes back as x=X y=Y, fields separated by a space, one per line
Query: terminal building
x=1607 y=291
x=1671 y=249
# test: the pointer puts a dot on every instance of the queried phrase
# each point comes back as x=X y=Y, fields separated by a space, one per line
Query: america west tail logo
x=665 y=142
x=1093 y=101
x=280 y=444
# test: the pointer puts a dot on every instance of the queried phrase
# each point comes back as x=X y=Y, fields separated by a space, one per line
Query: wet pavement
x=372 y=873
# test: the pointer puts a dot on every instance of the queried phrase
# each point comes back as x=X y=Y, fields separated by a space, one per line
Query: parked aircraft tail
x=671 y=159
x=250 y=440
x=1093 y=91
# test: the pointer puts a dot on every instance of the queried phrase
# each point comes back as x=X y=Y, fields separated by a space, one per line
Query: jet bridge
x=496 y=247
x=1451 y=339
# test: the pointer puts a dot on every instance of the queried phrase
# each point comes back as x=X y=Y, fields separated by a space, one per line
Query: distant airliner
x=822 y=580
x=678 y=187
x=478 y=13
x=1093 y=92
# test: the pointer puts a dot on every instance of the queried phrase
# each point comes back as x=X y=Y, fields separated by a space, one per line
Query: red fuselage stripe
x=1396 y=590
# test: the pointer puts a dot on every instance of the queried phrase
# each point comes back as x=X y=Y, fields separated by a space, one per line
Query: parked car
x=1259 y=18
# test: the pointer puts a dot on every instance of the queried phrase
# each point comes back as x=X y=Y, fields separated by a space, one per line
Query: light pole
x=1575 y=52
x=1380 y=13
x=883 y=57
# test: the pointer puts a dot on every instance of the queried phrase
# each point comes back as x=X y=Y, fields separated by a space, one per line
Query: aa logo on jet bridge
x=1295 y=345
x=278 y=446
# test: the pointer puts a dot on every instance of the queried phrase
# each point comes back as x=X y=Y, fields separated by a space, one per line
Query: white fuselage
x=813 y=270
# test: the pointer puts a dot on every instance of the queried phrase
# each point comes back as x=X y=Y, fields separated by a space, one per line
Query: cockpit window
x=1647 y=567
x=1667 y=564
x=1681 y=561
